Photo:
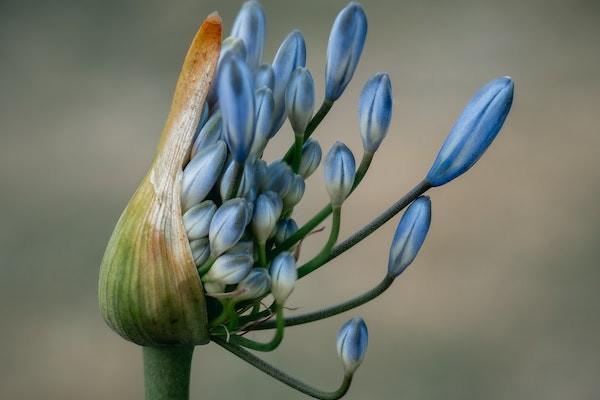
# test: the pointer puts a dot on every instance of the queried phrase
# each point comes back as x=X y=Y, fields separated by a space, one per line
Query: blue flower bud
x=340 y=170
x=283 y=276
x=300 y=99
x=254 y=285
x=229 y=269
x=294 y=195
x=245 y=247
x=267 y=209
x=262 y=175
x=352 y=341
x=228 y=225
x=311 y=158
x=200 y=250
x=346 y=42
x=375 y=111
x=201 y=173
x=291 y=55
x=245 y=186
x=250 y=26
x=410 y=235
x=264 y=77
x=264 y=120
x=473 y=131
x=209 y=134
x=203 y=117
x=284 y=230
x=280 y=178
x=236 y=99
x=197 y=219
x=231 y=47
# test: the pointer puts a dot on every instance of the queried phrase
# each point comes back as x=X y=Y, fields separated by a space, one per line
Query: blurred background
x=503 y=301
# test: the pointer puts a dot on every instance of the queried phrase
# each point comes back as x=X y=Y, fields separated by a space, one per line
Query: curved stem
x=332 y=310
x=269 y=346
x=228 y=309
x=283 y=377
x=312 y=125
x=324 y=254
x=167 y=372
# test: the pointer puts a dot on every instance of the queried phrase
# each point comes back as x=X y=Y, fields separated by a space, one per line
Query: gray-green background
x=502 y=303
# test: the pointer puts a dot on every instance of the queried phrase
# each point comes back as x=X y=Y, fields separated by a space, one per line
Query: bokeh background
x=502 y=303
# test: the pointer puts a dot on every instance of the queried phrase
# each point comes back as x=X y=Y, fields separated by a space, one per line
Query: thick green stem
x=324 y=254
x=167 y=372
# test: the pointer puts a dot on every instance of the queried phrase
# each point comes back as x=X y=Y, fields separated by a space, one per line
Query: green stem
x=262 y=255
x=282 y=376
x=297 y=152
x=270 y=345
x=228 y=309
x=332 y=310
x=324 y=254
x=312 y=125
x=167 y=372
x=204 y=268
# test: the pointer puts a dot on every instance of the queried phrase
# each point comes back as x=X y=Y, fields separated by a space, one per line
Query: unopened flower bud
x=285 y=229
x=375 y=111
x=245 y=247
x=197 y=219
x=410 y=235
x=264 y=77
x=229 y=269
x=254 y=285
x=264 y=120
x=201 y=173
x=290 y=55
x=250 y=26
x=283 y=276
x=352 y=341
x=340 y=170
x=300 y=99
x=280 y=177
x=473 y=131
x=231 y=47
x=228 y=225
x=311 y=157
x=267 y=209
x=236 y=100
x=262 y=175
x=209 y=134
x=294 y=195
x=200 y=250
x=344 y=48
x=245 y=185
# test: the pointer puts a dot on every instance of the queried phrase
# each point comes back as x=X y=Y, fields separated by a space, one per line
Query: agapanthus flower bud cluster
x=237 y=207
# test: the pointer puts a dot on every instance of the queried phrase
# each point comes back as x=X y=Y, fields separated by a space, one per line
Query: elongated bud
x=264 y=77
x=284 y=230
x=236 y=99
x=231 y=47
x=197 y=219
x=228 y=225
x=209 y=134
x=311 y=158
x=410 y=235
x=264 y=121
x=267 y=209
x=340 y=170
x=300 y=99
x=229 y=269
x=250 y=26
x=201 y=173
x=245 y=186
x=254 y=285
x=294 y=195
x=473 y=131
x=262 y=175
x=149 y=289
x=375 y=111
x=291 y=55
x=200 y=250
x=346 y=42
x=280 y=177
x=352 y=341
x=283 y=276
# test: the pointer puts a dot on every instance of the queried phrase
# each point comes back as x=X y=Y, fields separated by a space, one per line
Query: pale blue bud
x=375 y=111
x=245 y=186
x=201 y=173
x=311 y=158
x=284 y=230
x=229 y=269
x=291 y=55
x=264 y=77
x=262 y=175
x=200 y=250
x=300 y=99
x=228 y=225
x=339 y=171
x=209 y=134
x=264 y=120
x=294 y=195
x=197 y=219
x=212 y=288
x=410 y=235
x=231 y=47
x=352 y=341
x=243 y=247
x=267 y=209
x=254 y=285
x=283 y=276
x=236 y=99
x=473 y=131
x=250 y=26
x=344 y=48
x=280 y=176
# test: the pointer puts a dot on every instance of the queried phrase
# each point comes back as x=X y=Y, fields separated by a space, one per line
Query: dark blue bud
x=375 y=111
x=352 y=341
